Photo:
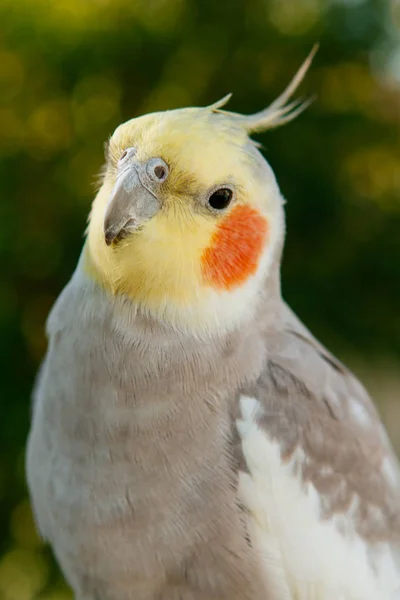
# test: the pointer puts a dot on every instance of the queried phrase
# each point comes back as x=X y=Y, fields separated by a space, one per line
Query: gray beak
x=133 y=199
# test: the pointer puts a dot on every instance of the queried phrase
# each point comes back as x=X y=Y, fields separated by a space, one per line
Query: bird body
x=191 y=440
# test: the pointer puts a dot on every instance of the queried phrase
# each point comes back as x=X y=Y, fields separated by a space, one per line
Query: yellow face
x=209 y=226
x=189 y=217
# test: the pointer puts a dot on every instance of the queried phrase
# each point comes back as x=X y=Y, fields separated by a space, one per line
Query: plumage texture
x=191 y=440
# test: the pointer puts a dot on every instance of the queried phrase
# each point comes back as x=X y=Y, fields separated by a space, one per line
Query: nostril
x=157 y=169
x=127 y=153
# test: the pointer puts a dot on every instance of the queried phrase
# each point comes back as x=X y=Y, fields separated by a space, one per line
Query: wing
x=319 y=479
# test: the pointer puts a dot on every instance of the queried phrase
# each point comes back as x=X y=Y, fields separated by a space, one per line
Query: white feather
x=305 y=556
x=359 y=412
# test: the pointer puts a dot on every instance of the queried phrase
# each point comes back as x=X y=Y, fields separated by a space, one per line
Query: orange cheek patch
x=235 y=248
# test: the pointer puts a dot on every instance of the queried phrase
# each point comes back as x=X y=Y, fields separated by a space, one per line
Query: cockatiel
x=191 y=440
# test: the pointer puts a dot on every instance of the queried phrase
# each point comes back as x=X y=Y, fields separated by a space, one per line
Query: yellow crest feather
x=278 y=113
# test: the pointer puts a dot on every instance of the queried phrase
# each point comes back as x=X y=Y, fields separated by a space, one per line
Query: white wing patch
x=305 y=556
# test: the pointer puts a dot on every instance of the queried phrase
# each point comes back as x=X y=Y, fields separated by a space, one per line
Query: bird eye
x=220 y=198
x=159 y=172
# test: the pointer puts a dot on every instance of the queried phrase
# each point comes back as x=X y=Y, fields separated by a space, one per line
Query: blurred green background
x=72 y=70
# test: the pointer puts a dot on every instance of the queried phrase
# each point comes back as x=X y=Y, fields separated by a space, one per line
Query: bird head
x=188 y=223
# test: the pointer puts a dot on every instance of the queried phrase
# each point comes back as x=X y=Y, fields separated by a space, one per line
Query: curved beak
x=130 y=205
